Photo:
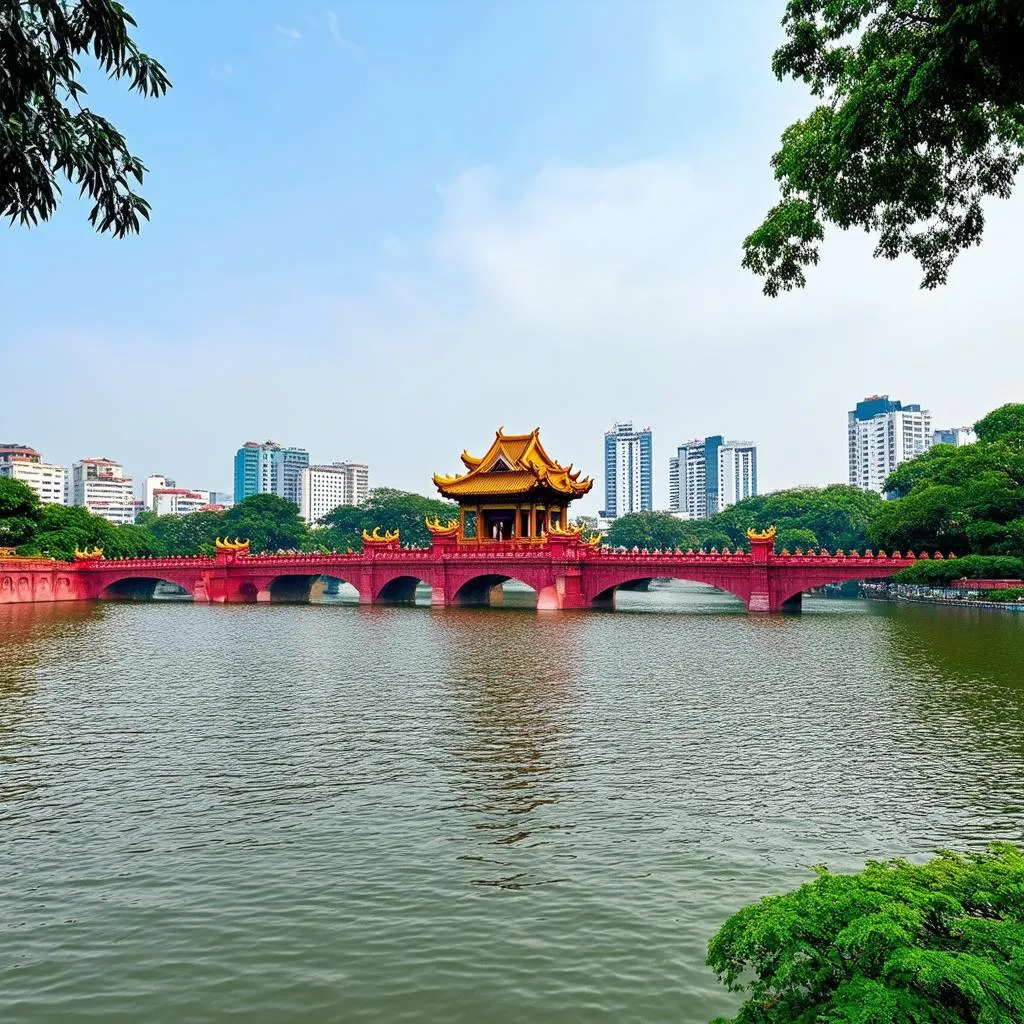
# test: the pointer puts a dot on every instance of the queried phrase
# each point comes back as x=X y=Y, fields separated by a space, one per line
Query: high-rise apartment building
x=707 y=476
x=50 y=482
x=101 y=486
x=628 y=477
x=269 y=468
x=324 y=488
x=882 y=433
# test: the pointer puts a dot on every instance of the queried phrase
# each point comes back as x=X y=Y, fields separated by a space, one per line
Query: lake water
x=323 y=813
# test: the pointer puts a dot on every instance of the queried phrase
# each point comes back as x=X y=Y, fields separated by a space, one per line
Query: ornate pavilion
x=515 y=492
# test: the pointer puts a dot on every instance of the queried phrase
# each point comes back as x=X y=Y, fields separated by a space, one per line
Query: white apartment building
x=628 y=483
x=324 y=488
x=882 y=433
x=178 y=501
x=101 y=486
x=708 y=475
x=49 y=482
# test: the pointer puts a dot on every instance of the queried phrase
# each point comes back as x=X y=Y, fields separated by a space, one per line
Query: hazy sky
x=382 y=229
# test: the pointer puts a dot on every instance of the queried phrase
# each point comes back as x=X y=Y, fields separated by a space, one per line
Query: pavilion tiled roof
x=514 y=465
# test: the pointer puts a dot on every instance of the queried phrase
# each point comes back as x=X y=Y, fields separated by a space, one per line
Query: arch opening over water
x=145 y=588
x=410 y=590
x=667 y=594
x=312 y=588
x=494 y=591
x=332 y=590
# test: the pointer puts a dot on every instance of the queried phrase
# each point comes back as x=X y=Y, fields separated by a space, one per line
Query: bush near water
x=897 y=943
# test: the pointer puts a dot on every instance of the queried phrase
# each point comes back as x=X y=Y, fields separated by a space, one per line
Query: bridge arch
x=604 y=594
x=486 y=590
x=401 y=589
x=788 y=589
x=138 y=587
x=296 y=588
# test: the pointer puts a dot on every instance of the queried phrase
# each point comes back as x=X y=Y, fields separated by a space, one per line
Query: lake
x=336 y=813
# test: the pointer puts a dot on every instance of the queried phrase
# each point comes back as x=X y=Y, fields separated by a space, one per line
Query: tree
x=47 y=132
x=1003 y=424
x=961 y=500
x=794 y=538
x=921 y=119
x=63 y=528
x=20 y=512
x=934 y=943
x=648 y=530
x=193 y=534
x=268 y=522
x=837 y=516
x=390 y=510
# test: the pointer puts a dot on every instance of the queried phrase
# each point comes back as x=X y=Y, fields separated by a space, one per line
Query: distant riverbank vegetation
x=270 y=523
x=966 y=501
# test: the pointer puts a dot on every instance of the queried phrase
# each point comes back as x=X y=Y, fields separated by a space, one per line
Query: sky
x=384 y=228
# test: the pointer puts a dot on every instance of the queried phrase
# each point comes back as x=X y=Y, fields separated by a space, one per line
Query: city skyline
x=661 y=484
x=467 y=217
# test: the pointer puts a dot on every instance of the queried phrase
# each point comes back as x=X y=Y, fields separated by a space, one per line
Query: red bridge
x=565 y=571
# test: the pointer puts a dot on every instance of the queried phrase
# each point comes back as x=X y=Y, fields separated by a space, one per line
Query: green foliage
x=833 y=517
x=1011 y=595
x=193 y=534
x=47 y=128
x=390 y=510
x=961 y=500
x=649 y=530
x=268 y=522
x=796 y=538
x=20 y=512
x=1003 y=424
x=62 y=528
x=838 y=516
x=935 y=943
x=921 y=118
x=977 y=567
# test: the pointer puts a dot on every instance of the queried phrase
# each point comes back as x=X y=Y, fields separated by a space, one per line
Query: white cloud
x=288 y=34
x=567 y=299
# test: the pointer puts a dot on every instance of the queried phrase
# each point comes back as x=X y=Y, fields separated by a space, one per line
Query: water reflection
x=512 y=742
x=28 y=632
x=971 y=647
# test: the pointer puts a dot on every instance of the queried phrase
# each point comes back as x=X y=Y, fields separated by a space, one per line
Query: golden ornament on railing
x=236 y=546
x=568 y=531
x=594 y=540
x=388 y=537
x=88 y=554
x=439 y=529
x=768 y=534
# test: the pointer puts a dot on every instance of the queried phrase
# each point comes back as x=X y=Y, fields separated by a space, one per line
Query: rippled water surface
x=297 y=813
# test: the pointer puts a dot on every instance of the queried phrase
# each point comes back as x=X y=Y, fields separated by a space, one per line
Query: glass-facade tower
x=628 y=477
x=269 y=468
